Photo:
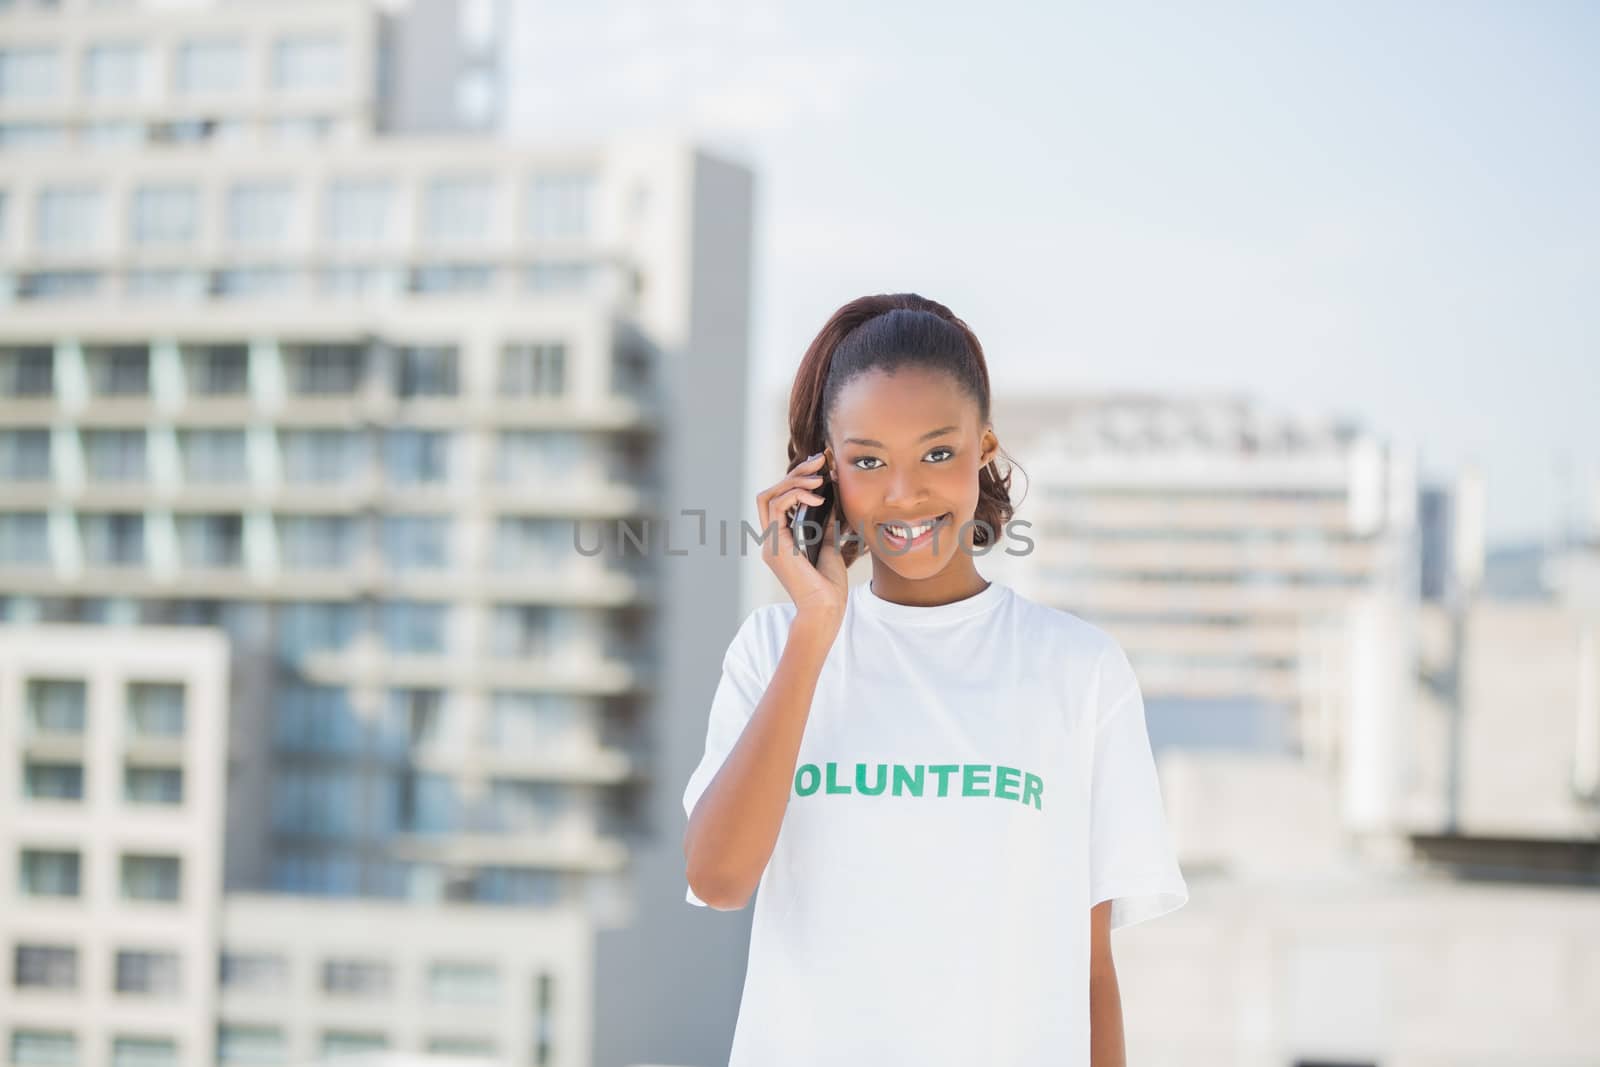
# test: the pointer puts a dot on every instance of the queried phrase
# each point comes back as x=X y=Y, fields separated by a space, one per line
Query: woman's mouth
x=903 y=536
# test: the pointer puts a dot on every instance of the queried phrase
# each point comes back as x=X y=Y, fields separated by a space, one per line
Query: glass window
x=314 y=627
x=25 y=455
x=119 y=370
x=213 y=457
x=45 y=967
x=27 y=371
x=152 y=785
x=358 y=210
x=357 y=977
x=417 y=457
x=211 y=540
x=346 y=1043
x=527 y=807
x=452 y=278
x=259 y=212
x=458 y=209
x=315 y=718
x=523 y=630
x=113 y=540
x=29 y=73
x=69 y=218
x=217 y=370
x=112 y=133
x=115 y=70
x=321 y=456
x=144 y=1052
x=209 y=66
x=551 y=276
x=517 y=885
x=319 y=541
x=533 y=370
x=463 y=983
x=416 y=542
x=25 y=539
x=471 y=1048
x=43 y=1048
x=424 y=803
x=155 y=709
x=32 y=134
x=522 y=543
x=416 y=719
x=426 y=370
x=534 y=457
x=308 y=62
x=247 y=282
x=52 y=781
x=149 y=973
x=165 y=214
x=325 y=370
x=57 y=705
x=250 y=1046
x=151 y=877
x=114 y=455
x=414 y=627
x=50 y=873
x=559 y=205
x=543 y=722
x=257 y=972
x=320 y=874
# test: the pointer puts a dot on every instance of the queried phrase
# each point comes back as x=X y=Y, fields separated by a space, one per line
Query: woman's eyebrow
x=880 y=444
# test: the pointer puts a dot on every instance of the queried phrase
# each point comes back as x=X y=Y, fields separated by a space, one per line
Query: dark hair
x=884 y=333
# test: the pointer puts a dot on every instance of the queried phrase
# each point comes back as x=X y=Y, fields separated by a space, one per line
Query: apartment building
x=275 y=364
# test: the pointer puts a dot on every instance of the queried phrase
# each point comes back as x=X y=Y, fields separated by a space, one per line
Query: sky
x=1377 y=211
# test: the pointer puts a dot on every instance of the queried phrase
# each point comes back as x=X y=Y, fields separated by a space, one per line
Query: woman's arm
x=735 y=822
x=1105 y=1000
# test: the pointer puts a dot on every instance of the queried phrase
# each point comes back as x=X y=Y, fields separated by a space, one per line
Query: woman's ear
x=991 y=448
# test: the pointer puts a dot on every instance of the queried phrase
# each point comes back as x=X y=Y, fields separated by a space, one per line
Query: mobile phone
x=815 y=518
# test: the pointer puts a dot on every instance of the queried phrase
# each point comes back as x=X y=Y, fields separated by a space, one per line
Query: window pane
x=250 y=1046
x=155 y=709
x=57 y=706
x=113 y=540
x=258 y=213
x=426 y=370
x=52 y=781
x=210 y=66
x=308 y=63
x=43 y=1048
x=358 y=210
x=558 y=205
x=143 y=1052
x=416 y=542
x=151 y=877
x=153 y=785
x=149 y=973
x=24 y=455
x=45 y=967
x=320 y=541
x=68 y=218
x=213 y=457
x=114 y=70
x=255 y=972
x=27 y=371
x=417 y=457
x=356 y=977
x=25 y=539
x=463 y=983
x=165 y=214
x=49 y=873
x=457 y=209
x=29 y=73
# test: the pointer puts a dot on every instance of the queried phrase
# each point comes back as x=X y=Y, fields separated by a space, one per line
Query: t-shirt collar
x=875 y=606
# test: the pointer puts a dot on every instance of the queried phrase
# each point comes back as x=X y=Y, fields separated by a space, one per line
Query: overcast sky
x=1385 y=210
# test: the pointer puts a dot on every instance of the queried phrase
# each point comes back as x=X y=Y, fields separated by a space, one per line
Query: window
x=556 y=276
x=24 y=539
x=152 y=785
x=356 y=977
x=29 y=73
x=452 y=278
x=46 y=967
x=247 y=282
x=413 y=627
x=345 y=1043
x=68 y=218
x=52 y=781
x=321 y=456
x=165 y=283
x=259 y=213
x=165 y=214
x=255 y=972
x=533 y=370
x=307 y=62
x=312 y=627
x=315 y=718
x=319 y=874
x=27 y=371
x=463 y=983
x=458 y=209
x=523 y=544
x=542 y=722
x=144 y=1052
x=416 y=719
x=558 y=205
x=212 y=457
x=416 y=457
x=114 y=455
x=25 y=455
x=416 y=542
x=155 y=709
x=358 y=210
x=316 y=541
x=113 y=540
x=111 y=133
x=119 y=370
x=426 y=371
x=32 y=134
x=155 y=878
x=43 y=1048
x=424 y=804
x=325 y=370
x=462 y=1047
x=535 y=457
x=211 y=540
x=57 y=705
x=255 y=1046
x=209 y=66
x=527 y=807
x=148 y=973
x=522 y=630
x=113 y=70
x=50 y=873
x=217 y=370
x=517 y=885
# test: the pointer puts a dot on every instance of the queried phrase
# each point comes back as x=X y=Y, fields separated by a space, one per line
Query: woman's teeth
x=911 y=533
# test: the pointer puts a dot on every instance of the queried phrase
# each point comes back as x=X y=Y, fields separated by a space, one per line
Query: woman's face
x=906 y=448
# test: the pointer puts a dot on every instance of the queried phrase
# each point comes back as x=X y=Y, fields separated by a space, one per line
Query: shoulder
x=762 y=633
x=1094 y=662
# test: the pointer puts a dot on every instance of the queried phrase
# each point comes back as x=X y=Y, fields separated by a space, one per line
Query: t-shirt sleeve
x=738 y=692
x=1132 y=859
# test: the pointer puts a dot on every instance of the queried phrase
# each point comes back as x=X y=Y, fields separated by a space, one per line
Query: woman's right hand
x=821 y=590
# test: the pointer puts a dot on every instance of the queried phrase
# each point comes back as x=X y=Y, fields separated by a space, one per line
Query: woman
x=944 y=790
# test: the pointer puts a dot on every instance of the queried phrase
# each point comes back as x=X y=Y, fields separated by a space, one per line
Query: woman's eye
x=947 y=451
x=857 y=463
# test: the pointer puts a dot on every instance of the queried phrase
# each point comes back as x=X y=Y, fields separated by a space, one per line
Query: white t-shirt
x=973 y=777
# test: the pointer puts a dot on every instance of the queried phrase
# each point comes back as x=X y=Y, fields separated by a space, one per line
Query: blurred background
x=383 y=385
